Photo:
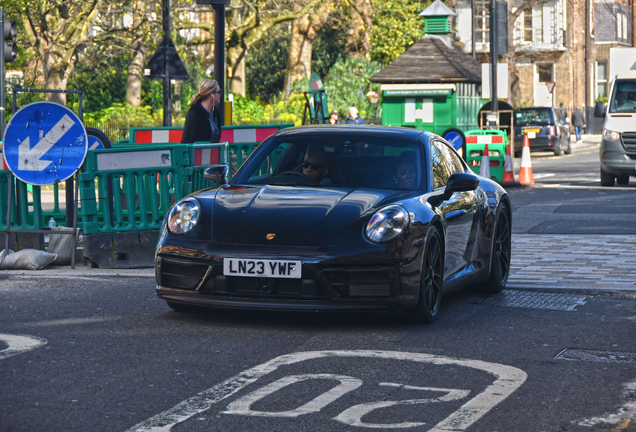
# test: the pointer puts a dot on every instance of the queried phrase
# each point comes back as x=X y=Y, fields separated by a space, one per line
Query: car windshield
x=623 y=97
x=334 y=161
x=533 y=116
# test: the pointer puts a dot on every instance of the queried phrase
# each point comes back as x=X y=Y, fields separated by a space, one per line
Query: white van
x=618 y=146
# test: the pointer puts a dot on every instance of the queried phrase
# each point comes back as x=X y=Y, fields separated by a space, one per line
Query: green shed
x=433 y=85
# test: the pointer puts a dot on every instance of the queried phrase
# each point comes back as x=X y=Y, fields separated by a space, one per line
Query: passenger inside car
x=405 y=172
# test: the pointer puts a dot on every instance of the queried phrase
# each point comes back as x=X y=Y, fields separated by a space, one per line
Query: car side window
x=441 y=166
x=455 y=163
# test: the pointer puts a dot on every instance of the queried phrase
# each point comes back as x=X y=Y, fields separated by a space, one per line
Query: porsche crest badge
x=271 y=236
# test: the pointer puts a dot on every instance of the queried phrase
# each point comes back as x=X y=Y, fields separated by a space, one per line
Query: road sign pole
x=219 y=53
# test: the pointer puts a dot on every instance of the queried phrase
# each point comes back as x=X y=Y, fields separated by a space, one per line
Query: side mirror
x=567 y=120
x=458 y=182
x=217 y=174
x=599 y=109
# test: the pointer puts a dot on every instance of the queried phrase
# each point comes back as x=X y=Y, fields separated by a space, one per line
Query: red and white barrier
x=158 y=136
x=484 y=139
x=209 y=156
x=242 y=135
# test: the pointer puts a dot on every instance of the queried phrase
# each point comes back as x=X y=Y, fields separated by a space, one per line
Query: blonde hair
x=206 y=86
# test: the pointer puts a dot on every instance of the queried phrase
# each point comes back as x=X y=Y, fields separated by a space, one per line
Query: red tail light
x=552 y=131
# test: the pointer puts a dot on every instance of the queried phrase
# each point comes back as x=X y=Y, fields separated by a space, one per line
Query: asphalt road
x=105 y=354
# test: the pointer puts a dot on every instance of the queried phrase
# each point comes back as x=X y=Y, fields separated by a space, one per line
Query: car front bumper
x=615 y=159
x=329 y=281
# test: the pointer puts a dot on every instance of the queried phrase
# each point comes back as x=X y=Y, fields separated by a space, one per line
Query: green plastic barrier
x=145 y=182
x=497 y=141
x=202 y=155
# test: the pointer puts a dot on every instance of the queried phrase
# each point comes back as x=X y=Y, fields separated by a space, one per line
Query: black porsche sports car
x=337 y=218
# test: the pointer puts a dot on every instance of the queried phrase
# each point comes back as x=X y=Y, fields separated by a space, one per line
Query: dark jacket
x=197 y=126
x=358 y=120
x=578 y=118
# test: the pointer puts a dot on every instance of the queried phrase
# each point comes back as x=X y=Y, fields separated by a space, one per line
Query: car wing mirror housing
x=599 y=109
x=460 y=182
x=217 y=174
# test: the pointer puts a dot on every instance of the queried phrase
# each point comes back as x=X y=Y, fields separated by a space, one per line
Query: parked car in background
x=337 y=218
x=548 y=129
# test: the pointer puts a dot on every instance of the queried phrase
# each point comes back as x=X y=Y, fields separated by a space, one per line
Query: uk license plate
x=246 y=267
x=535 y=130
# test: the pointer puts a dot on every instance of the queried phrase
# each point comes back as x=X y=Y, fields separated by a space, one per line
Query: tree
x=396 y=26
x=360 y=14
x=57 y=32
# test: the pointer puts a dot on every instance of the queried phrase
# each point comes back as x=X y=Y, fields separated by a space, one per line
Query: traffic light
x=9 y=33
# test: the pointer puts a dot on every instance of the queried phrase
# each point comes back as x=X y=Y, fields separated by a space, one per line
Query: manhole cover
x=597 y=356
x=533 y=300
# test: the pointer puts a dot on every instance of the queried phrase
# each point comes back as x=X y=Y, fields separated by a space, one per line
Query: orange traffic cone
x=525 y=173
x=509 y=167
x=484 y=166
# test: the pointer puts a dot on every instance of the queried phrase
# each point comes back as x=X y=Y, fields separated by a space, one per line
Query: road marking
x=29 y=158
x=544 y=175
x=72 y=321
x=19 y=344
x=508 y=379
x=243 y=405
x=604 y=188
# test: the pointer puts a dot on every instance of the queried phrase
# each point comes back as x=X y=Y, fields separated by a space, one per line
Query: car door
x=458 y=211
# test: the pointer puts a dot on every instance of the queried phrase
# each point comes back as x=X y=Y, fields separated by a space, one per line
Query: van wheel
x=622 y=180
x=607 y=179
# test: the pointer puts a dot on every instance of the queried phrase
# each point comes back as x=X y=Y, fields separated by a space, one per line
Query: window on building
x=482 y=22
x=601 y=79
x=619 y=26
x=625 y=27
x=527 y=27
x=544 y=72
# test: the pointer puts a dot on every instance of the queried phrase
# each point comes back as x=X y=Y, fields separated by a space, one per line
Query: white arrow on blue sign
x=44 y=143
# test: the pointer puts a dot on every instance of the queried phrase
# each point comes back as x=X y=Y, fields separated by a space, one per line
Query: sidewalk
x=589 y=264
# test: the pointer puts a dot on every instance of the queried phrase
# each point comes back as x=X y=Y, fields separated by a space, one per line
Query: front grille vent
x=629 y=140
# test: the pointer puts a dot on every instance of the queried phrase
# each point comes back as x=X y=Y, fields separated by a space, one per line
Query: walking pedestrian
x=578 y=121
x=203 y=121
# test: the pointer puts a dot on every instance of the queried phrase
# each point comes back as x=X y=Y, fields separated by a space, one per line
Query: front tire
x=501 y=252
x=432 y=278
x=607 y=179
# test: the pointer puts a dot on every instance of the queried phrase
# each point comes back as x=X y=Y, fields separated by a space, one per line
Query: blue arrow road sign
x=44 y=143
x=454 y=139
x=95 y=143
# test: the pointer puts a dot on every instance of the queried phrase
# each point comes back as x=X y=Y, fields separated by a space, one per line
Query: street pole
x=219 y=54
x=494 y=55
x=2 y=76
x=472 y=7
x=167 y=90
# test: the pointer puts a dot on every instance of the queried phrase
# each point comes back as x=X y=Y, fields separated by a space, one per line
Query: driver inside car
x=315 y=165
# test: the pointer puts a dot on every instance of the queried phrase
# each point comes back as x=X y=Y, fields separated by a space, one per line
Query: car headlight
x=183 y=216
x=611 y=135
x=386 y=224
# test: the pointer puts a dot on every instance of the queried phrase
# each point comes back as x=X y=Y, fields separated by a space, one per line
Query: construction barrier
x=496 y=141
x=173 y=134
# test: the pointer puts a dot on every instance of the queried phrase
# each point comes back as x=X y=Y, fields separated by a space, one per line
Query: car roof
x=355 y=130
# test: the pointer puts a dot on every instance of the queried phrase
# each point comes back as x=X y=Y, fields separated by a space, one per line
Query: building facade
x=555 y=45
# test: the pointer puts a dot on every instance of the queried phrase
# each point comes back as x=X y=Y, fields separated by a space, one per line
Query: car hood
x=289 y=216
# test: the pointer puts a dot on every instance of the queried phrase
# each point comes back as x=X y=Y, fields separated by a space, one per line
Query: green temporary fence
x=202 y=155
x=496 y=140
x=131 y=189
x=27 y=212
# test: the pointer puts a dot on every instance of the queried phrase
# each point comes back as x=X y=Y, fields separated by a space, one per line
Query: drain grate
x=533 y=300
x=597 y=356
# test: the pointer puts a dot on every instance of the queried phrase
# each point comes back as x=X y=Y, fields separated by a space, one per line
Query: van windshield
x=623 y=97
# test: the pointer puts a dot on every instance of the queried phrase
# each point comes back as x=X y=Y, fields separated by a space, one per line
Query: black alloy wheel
x=432 y=279
x=501 y=252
